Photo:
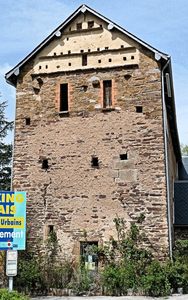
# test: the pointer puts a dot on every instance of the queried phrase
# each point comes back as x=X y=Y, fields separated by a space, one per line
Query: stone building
x=95 y=133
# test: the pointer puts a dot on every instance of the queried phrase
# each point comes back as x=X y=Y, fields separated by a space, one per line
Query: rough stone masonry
x=54 y=151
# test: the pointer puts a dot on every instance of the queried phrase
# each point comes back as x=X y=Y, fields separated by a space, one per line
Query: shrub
x=41 y=269
x=6 y=295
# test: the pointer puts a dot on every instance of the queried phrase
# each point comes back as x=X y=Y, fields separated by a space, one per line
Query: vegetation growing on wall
x=127 y=262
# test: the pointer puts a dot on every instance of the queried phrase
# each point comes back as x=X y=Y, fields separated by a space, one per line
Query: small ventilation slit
x=45 y=164
x=139 y=109
x=123 y=156
x=94 y=161
x=27 y=121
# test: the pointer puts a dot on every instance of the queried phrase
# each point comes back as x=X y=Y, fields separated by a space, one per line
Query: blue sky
x=162 y=24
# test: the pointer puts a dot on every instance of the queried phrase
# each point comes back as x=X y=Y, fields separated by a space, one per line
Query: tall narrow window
x=84 y=60
x=107 y=90
x=64 y=97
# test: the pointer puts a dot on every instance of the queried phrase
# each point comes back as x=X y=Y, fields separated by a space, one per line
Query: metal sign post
x=11 y=266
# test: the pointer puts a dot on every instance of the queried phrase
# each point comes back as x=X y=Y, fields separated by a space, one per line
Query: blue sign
x=12 y=220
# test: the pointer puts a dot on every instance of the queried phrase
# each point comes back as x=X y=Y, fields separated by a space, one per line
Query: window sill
x=64 y=113
x=108 y=109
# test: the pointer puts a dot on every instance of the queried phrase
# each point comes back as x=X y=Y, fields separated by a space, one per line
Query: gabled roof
x=13 y=73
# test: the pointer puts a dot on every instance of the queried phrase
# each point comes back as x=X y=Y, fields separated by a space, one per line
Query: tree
x=5 y=150
x=184 y=149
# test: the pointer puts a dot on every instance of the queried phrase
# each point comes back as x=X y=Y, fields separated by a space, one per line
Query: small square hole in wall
x=69 y=52
x=55 y=53
x=124 y=58
x=67 y=39
x=90 y=24
x=45 y=164
x=79 y=26
x=89 y=50
x=101 y=25
x=27 y=121
x=98 y=49
x=94 y=161
x=132 y=57
x=40 y=67
x=99 y=61
x=106 y=48
x=61 y=53
x=139 y=109
x=81 y=51
x=46 y=66
x=69 y=64
x=123 y=156
x=110 y=60
x=122 y=46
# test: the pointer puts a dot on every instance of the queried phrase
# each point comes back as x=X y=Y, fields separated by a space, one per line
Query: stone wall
x=72 y=195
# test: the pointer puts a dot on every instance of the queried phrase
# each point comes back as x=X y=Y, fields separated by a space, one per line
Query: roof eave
x=56 y=33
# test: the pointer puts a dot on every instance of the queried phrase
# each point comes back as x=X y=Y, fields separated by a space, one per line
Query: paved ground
x=174 y=297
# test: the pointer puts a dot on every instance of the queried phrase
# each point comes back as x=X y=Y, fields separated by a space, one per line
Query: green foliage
x=6 y=295
x=40 y=269
x=184 y=149
x=155 y=281
x=128 y=264
x=5 y=150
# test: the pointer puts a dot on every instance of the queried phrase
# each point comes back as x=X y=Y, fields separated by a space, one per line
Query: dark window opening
x=94 y=161
x=51 y=228
x=123 y=156
x=132 y=57
x=98 y=49
x=54 y=53
x=110 y=60
x=99 y=61
x=61 y=53
x=88 y=255
x=81 y=51
x=107 y=91
x=40 y=67
x=69 y=52
x=90 y=24
x=69 y=64
x=106 y=48
x=85 y=88
x=101 y=25
x=27 y=121
x=79 y=26
x=139 y=109
x=67 y=39
x=64 y=97
x=122 y=46
x=46 y=66
x=45 y=164
x=69 y=28
x=84 y=60
x=58 y=67
x=124 y=58
x=89 y=50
